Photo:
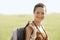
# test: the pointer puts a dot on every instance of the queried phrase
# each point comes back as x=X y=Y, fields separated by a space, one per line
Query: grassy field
x=9 y=23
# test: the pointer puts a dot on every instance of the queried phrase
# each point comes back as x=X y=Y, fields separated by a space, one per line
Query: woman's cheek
x=38 y=19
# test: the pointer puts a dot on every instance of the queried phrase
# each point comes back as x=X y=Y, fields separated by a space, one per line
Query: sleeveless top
x=35 y=30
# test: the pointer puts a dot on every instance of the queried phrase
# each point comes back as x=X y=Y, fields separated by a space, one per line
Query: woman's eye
x=38 y=13
x=42 y=13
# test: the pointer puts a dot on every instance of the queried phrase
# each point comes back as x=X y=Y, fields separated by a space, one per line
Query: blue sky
x=26 y=6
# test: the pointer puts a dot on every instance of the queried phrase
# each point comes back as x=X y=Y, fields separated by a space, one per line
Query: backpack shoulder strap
x=27 y=24
x=45 y=33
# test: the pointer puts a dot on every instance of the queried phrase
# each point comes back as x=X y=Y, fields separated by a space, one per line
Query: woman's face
x=39 y=14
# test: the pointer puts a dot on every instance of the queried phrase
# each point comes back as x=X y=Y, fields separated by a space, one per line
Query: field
x=10 y=22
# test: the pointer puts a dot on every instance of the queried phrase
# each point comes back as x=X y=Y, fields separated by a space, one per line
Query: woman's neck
x=38 y=23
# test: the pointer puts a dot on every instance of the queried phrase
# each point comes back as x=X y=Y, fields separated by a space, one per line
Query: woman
x=35 y=30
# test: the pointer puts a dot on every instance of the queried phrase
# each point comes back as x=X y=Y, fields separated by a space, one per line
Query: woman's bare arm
x=28 y=32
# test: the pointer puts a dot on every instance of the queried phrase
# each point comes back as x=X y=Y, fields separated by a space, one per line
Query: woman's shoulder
x=31 y=25
x=29 y=28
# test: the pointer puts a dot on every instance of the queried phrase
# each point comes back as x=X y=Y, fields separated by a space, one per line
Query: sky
x=8 y=7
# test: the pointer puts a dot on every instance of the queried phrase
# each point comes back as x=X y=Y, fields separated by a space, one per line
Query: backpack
x=19 y=33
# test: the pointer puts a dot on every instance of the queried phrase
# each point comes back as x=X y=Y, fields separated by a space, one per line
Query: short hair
x=38 y=5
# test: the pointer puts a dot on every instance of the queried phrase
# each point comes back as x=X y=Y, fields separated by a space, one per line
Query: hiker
x=35 y=30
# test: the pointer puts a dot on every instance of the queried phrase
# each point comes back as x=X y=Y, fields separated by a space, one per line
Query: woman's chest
x=38 y=33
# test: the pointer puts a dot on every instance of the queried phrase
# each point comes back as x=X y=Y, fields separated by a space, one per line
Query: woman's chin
x=38 y=20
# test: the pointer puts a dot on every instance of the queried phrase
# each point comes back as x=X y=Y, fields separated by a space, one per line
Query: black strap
x=45 y=33
x=39 y=30
x=27 y=24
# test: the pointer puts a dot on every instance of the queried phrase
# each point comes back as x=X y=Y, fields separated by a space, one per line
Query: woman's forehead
x=40 y=9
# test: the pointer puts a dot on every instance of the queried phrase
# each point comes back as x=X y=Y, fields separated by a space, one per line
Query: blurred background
x=16 y=13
